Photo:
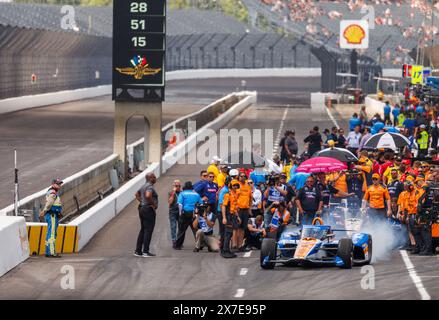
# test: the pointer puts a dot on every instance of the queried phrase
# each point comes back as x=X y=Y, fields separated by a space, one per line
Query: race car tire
x=370 y=244
x=369 y=260
x=268 y=248
x=271 y=235
x=345 y=252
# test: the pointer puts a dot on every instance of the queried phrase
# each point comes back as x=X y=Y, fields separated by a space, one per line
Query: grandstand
x=399 y=25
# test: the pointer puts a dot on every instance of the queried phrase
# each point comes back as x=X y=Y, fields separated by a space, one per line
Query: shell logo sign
x=354 y=34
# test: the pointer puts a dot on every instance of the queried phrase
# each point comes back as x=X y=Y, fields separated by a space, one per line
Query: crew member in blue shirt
x=208 y=191
x=187 y=200
x=387 y=109
x=395 y=112
x=354 y=121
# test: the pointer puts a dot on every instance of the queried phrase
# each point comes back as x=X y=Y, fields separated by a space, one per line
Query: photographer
x=255 y=232
x=204 y=222
x=276 y=192
x=428 y=205
x=280 y=217
x=187 y=201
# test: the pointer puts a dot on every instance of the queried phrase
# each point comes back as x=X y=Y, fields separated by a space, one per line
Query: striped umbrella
x=344 y=155
x=387 y=140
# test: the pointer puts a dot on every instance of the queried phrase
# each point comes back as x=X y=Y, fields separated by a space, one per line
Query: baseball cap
x=234 y=182
x=376 y=176
x=216 y=159
x=234 y=172
x=57 y=181
x=422 y=126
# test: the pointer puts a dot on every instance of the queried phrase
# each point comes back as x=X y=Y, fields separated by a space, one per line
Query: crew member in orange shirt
x=229 y=210
x=378 y=197
x=244 y=209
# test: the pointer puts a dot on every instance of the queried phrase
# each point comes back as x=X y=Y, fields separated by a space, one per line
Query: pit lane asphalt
x=60 y=140
x=106 y=268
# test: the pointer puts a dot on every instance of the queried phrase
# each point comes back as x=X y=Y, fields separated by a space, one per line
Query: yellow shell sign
x=354 y=34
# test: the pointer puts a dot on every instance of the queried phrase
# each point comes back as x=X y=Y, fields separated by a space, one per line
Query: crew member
x=213 y=168
x=148 y=204
x=187 y=200
x=244 y=209
x=52 y=213
x=422 y=141
x=377 y=196
x=230 y=219
x=309 y=201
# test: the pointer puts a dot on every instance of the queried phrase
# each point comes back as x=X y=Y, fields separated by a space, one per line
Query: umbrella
x=387 y=140
x=245 y=159
x=344 y=155
x=321 y=164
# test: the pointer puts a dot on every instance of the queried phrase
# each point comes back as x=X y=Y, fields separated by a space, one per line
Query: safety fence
x=37 y=61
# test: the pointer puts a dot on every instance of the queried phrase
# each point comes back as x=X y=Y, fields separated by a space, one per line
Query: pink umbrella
x=321 y=164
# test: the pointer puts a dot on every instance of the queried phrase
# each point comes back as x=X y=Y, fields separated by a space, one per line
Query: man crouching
x=203 y=223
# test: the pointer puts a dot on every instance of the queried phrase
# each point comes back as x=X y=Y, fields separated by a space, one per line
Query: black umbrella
x=245 y=159
x=387 y=140
x=344 y=155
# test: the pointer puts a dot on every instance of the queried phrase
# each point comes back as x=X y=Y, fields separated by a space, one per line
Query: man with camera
x=187 y=200
x=276 y=192
x=204 y=222
x=428 y=208
x=255 y=232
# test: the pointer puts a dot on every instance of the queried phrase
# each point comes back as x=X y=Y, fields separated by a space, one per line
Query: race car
x=316 y=245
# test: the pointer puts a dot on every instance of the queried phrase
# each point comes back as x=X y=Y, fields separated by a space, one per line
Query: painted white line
x=279 y=133
x=239 y=293
x=248 y=254
x=415 y=278
x=332 y=118
x=243 y=271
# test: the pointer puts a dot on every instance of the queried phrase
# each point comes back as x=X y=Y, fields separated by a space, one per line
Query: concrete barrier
x=79 y=189
x=94 y=219
x=14 y=246
x=66 y=241
x=45 y=99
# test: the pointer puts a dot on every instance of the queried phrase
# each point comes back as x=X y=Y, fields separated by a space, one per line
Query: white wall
x=14 y=245
x=94 y=219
